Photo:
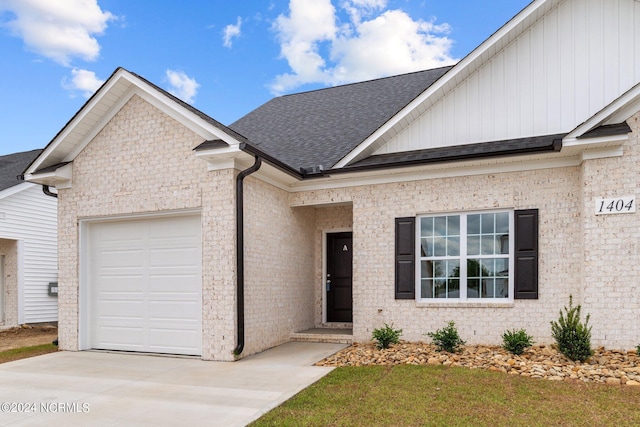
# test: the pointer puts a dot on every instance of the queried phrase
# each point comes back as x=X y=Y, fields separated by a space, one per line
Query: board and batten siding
x=29 y=217
x=575 y=60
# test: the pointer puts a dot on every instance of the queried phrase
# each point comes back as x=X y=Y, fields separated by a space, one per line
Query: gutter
x=240 y=254
x=300 y=174
x=45 y=190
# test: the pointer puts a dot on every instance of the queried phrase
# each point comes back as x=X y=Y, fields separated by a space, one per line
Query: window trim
x=463 y=299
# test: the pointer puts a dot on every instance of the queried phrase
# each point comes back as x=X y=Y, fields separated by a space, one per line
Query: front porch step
x=324 y=335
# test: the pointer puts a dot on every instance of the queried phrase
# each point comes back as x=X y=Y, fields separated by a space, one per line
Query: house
x=486 y=193
x=28 y=246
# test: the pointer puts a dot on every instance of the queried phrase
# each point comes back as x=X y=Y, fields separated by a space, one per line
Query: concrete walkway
x=115 y=389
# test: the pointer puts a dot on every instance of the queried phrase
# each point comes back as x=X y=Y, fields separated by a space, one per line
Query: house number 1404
x=616 y=205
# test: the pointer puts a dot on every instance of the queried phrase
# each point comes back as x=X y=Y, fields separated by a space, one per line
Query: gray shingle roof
x=320 y=127
x=511 y=147
x=13 y=165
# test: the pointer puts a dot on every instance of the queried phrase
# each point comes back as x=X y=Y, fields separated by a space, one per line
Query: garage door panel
x=174 y=341
x=172 y=310
x=146 y=293
x=120 y=284
x=166 y=227
x=174 y=257
x=120 y=259
x=174 y=284
x=122 y=338
x=116 y=308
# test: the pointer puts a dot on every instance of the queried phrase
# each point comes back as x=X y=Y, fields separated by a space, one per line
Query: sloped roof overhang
x=100 y=109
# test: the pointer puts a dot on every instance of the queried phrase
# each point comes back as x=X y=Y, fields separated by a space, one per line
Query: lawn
x=24 y=352
x=406 y=395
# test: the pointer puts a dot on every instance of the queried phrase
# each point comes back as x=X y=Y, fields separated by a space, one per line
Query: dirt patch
x=27 y=336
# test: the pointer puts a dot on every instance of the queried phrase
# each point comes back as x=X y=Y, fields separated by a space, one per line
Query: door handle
x=328 y=285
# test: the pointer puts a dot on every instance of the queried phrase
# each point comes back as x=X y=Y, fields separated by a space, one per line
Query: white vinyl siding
x=29 y=217
x=145 y=285
x=575 y=60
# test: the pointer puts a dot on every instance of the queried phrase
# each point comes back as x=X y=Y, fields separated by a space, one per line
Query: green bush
x=447 y=338
x=516 y=341
x=386 y=336
x=638 y=350
x=572 y=336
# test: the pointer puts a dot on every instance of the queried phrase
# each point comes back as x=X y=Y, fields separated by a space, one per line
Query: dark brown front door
x=339 y=274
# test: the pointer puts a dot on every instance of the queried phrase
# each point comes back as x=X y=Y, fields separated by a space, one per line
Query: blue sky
x=223 y=57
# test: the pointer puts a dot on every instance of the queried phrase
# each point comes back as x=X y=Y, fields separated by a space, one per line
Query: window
x=523 y=256
x=465 y=256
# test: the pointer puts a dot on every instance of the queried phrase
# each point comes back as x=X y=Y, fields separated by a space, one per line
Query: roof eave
x=107 y=101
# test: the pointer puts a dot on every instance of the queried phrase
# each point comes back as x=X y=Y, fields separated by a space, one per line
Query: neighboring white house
x=486 y=193
x=28 y=246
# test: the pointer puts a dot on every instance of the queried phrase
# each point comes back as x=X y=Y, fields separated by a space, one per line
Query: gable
x=141 y=147
x=54 y=166
x=574 y=58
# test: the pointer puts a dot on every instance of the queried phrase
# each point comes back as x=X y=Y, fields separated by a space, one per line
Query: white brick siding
x=143 y=162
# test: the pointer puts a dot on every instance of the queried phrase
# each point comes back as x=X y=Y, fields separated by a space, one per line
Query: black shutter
x=405 y=258
x=526 y=254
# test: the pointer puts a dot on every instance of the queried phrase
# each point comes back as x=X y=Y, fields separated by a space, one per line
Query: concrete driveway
x=115 y=389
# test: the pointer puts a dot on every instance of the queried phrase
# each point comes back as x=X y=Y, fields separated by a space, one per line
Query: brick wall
x=555 y=192
x=612 y=247
x=279 y=267
x=143 y=162
x=594 y=258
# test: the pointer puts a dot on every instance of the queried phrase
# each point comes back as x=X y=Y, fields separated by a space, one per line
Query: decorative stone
x=605 y=367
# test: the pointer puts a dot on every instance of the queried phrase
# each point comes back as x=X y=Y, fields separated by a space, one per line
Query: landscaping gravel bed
x=540 y=361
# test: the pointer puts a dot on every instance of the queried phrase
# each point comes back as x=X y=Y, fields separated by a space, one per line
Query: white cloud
x=392 y=43
x=230 y=32
x=84 y=81
x=359 y=8
x=182 y=86
x=309 y=23
x=373 y=43
x=59 y=30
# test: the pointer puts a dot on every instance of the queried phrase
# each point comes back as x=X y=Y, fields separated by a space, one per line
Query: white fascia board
x=182 y=115
x=616 y=112
x=135 y=86
x=166 y=105
x=435 y=171
x=223 y=158
x=60 y=178
x=113 y=110
x=602 y=141
x=602 y=153
x=7 y=192
x=451 y=75
x=80 y=116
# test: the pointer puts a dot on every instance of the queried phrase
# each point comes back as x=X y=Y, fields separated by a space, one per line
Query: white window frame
x=463 y=258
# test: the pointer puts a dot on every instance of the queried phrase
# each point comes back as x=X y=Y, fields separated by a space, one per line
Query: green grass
x=438 y=396
x=24 y=352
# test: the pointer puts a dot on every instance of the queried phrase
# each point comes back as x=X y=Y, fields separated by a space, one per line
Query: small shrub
x=516 y=341
x=447 y=338
x=386 y=336
x=638 y=350
x=572 y=336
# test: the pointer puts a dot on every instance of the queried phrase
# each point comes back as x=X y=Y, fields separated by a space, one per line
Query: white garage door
x=145 y=285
